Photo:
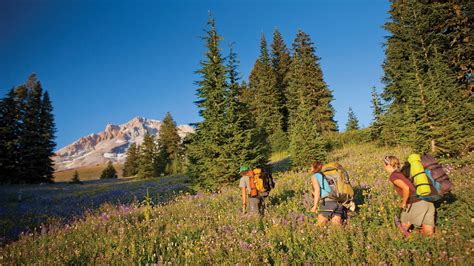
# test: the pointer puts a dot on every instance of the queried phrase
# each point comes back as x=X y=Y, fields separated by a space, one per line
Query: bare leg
x=322 y=220
x=336 y=220
x=427 y=230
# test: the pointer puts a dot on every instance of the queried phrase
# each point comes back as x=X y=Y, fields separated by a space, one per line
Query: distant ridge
x=110 y=144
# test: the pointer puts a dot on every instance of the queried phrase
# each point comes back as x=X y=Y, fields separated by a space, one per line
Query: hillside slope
x=209 y=228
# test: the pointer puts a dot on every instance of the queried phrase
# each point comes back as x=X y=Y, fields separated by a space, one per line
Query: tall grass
x=209 y=228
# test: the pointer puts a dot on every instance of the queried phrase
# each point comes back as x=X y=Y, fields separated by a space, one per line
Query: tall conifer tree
x=47 y=130
x=266 y=102
x=130 y=167
x=205 y=147
x=147 y=162
x=245 y=143
x=227 y=136
x=280 y=57
x=420 y=88
x=27 y=134
x=9 y=131
x=305 y=81
x=309 y=104
x=170 y=142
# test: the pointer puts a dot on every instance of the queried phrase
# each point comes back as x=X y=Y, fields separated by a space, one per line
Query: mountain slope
x=110 y=144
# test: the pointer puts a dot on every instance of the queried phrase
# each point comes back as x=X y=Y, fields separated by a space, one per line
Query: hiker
x=327 y=207
x=250 y=198
x=263 y=183
x=414 y=211
x=255 y=186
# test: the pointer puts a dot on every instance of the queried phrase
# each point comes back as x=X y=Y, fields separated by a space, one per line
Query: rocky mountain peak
x=110 y=144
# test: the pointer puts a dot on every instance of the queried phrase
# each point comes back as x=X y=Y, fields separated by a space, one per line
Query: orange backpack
x=253 y=187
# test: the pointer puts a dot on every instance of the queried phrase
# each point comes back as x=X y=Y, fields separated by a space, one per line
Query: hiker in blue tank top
x=327 y=208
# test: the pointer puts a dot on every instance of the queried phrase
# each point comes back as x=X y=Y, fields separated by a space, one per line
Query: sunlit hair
x=392 y=161
x=316 y=166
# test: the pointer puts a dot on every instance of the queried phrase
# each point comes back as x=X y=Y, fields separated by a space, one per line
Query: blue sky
x=109 y=61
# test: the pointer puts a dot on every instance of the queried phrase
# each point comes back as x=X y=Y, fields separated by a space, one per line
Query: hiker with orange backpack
x=255 y=187
x=414 y=210
x=332 y=192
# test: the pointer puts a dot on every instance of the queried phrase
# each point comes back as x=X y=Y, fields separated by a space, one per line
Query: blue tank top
x=322 y=192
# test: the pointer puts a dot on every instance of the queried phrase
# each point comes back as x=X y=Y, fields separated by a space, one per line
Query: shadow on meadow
x=26 y=207
x=282 y=165
x=283 y=197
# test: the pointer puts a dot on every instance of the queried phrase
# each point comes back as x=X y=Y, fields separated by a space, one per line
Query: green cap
x=244 y=168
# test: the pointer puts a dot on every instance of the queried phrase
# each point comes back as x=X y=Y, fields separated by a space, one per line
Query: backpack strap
x=322 y=185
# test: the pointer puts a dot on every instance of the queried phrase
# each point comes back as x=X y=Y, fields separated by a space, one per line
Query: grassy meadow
x=85 y=173
x=207 y=228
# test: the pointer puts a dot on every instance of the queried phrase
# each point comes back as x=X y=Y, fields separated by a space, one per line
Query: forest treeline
x=426 y=101
x=26 y=134
x=285 y=105
x=157 y=155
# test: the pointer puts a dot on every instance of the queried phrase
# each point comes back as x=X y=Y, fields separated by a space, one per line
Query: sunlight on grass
x=85 y=173
x=278 y=156
x=209 y=228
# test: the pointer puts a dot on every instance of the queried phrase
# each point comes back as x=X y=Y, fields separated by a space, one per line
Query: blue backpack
x=435 y=189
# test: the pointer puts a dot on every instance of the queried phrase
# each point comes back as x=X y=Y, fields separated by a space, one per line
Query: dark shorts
x=330 y=208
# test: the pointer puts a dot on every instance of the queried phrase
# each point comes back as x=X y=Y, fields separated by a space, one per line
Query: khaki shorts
x=418 y=213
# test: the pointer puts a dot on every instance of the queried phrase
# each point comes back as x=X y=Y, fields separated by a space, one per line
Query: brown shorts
x=419 y=213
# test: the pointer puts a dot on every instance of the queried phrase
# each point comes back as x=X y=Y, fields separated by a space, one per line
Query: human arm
x=405 y=192
x=316 y=194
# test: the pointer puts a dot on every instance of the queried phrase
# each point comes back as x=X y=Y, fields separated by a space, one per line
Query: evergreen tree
x=306 y=143
x=170 y=143
x=30 y=138
x=280 y=57
x=109 y=171
x=47 y=130
x=418 y=75
x=75 y=178
x=9 y=131
x=245 y=143
x=205 y=147
x=245 y=95
x=352 y=121
x=147 y=162
x=227 y=135
x=266 y=100
x=130 y=167
x=305 y=82
x=377 y=112
x=27 y=134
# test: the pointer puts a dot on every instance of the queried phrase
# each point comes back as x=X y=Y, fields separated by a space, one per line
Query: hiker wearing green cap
x=250 y=200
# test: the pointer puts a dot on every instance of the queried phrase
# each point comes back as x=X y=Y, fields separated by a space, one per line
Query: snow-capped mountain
x=110 y=144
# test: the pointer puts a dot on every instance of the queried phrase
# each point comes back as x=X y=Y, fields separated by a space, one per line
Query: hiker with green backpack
x=419 y=193
x=331 y=191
